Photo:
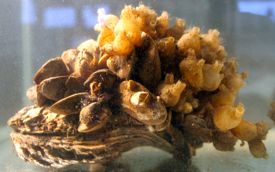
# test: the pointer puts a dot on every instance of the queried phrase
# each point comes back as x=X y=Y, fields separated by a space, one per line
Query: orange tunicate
x=191 y=70
x=212 y=39
x=235 y=82
x=223 y=97
x=106 y=36
x=228 y=117
x=212 y=76
x=190 y=40
x=170 y=93
x=122 y=45
x=245 y=131
x=132 y=31
x=162 y=23
x=257 y=149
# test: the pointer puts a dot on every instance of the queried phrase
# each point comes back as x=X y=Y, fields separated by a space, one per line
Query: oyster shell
x=56 y=151
x=52 y=140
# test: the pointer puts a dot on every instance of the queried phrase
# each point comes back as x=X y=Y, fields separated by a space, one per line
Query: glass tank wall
x=32 y=31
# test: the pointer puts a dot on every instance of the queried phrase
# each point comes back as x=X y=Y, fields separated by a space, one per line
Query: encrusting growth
x=142 y=82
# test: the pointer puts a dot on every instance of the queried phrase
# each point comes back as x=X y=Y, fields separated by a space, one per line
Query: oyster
x=52 y=139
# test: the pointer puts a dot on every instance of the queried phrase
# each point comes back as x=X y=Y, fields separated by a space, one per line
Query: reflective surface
x=32 y=31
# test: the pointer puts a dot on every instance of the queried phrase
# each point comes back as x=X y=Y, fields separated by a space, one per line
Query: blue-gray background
x=31 y=31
